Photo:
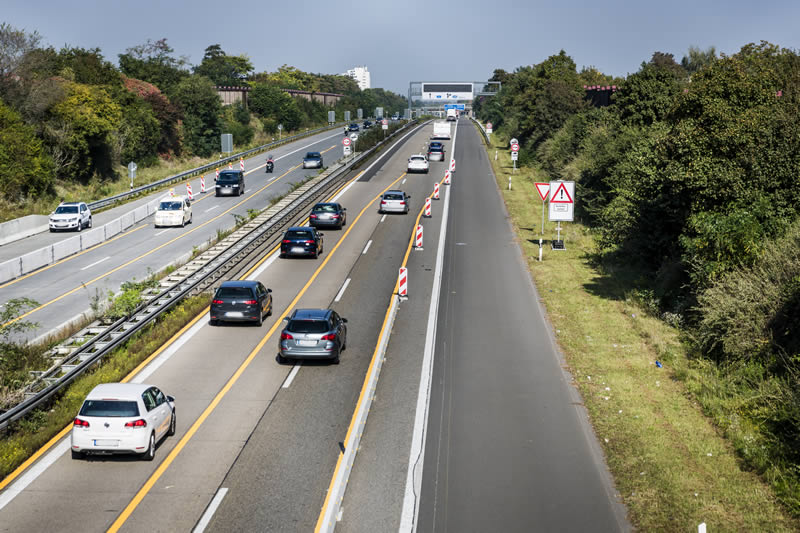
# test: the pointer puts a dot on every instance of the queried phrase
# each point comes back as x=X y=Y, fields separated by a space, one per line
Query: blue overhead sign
x=460 y=107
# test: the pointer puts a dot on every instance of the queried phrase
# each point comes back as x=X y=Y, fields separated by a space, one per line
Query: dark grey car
x=230 y=182
x=313 y=334
x=241 y=301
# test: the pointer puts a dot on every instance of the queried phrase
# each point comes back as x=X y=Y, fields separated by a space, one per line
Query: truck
x=441 y=130
x=452 y=114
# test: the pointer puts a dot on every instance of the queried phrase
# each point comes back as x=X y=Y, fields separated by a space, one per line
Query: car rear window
x=323 y=208
x=436 y=149
x=228 y=178
x=110 y=408
x=390 y=196
x=169 y=206
x=298 y=235
x=308 y=326
x=312 y=155
x=234 y=292
x=66 y=209
x=418 y=158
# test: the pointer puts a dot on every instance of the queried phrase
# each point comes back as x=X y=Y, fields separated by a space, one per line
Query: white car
x=418 y=163
x=71 y=216
x=123 y=418
x=173 y=211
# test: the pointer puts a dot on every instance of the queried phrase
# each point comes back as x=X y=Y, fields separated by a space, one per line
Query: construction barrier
x=189 y=191
x=241 y=164
x=202 y=184
x=447 y=177
x=452 y=165
x=217 y=176
x=436 y=191
x=418 y=240
x=428 y=206
x=403 y=282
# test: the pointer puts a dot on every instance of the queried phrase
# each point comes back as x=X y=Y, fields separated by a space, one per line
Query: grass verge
x=671 y=464
x=30 y=434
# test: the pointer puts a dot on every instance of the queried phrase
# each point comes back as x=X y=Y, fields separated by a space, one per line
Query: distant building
x=361 y=75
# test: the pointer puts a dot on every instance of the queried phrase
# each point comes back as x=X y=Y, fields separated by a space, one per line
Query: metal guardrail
x=483 y=130
x=193 y=172
x=195 y=277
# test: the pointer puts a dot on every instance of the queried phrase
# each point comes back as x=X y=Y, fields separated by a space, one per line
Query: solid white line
x=416 y=458
x=341 y=291
x=369 y=243
x=257 y=272
x=212 y=208
x=290 y=377
x=146 y=372
x=13 y=490
x=212 y=508
x=383 y=218
x=160 y=232
x=96 y=263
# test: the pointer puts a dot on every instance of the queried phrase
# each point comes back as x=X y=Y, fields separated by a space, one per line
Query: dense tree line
x=70 y=116
x=692 y=175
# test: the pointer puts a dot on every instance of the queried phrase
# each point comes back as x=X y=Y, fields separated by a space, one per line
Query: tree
x=153 y=62
x=25 y=168
x=697 y=59
x=222 y=69
x=14 y=45
x=201 y=108
x=646 y=96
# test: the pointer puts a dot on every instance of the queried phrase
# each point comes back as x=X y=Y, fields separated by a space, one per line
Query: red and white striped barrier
x=452 y=165
x=217 y=176
x=189 y=191
x=202 y=184
x=447 y=177
x=436 y=191
x=428 y=206
x=403 y=283
x=241 y=164
x=230 y=165
x=418 y=239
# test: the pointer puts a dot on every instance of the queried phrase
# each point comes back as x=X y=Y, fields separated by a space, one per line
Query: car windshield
x=313 y=155
x=110 y=408
x=170 y=205
x=324 y=208
x=62 y=209
x=418 y=158
x=308 y=326
x=228 y=178
x=393 y=196
x=436 y=149
x=234 y=292
x=299 y=235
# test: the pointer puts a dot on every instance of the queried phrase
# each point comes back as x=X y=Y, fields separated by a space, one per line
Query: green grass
x=27 y=436
x=671 y=463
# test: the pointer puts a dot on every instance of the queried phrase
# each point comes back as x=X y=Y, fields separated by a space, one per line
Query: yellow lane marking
x=135 y=259
x=123 y=517
x=364 y=386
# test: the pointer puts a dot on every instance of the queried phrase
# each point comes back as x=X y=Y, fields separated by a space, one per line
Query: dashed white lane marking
x=96 y=263
x=383 y=218
x=212 y=508
x=160 y=232
x=290 y=377
x=404 y=180
x=211 y=208
x=341 y=291
x=369 y=243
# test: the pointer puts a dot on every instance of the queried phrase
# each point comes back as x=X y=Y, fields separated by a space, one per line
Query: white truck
x=441 y=130
x=452 y=114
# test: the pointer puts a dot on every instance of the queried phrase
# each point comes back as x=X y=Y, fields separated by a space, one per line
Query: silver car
x=313 y=334
x=394 y=202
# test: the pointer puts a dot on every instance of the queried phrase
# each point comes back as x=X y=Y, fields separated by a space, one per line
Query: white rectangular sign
x=514 y=156
x=347 y=150
x=562 y=201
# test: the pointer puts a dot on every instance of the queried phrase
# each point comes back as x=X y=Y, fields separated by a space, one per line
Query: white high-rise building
x=361 y=75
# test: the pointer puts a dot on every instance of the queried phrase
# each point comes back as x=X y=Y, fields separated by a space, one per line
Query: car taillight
x=216 y=301
x=312 y=216
x=383 y=202
x=402 y=202
x=329 y=337
x=336 y=216
x=286 y=337
x=286 y=241
x=80 y=423
x=141 y=423
x=309 y=242
x=250 y=302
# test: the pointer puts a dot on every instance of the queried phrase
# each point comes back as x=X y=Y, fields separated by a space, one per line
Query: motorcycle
x=270 y=165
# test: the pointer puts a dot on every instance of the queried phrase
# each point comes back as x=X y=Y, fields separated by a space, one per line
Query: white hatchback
x=418 y=163
x=123 y=418
x=173 y=211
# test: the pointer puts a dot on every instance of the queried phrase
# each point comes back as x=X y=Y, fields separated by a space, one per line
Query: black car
x=435 y=151
x=328 y=214
x=241 y=301
x=367 y=124
x=312 y=160
x=301 y=240
x=230 y=182
x=353 y=127
x=313 y=334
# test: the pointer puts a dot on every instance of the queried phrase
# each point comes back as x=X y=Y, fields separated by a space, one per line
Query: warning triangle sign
x=561 y=196
x=543 y=189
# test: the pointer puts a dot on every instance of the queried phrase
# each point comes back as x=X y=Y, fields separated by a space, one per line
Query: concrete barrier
x=10 y=269
x=140 y=213
x=92 y=237
x=67 y=247
x=37 y=259
x=19 y=228
x=112 y=228
x=126 y=221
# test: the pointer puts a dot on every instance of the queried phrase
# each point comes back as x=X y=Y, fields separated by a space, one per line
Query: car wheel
x=213 y=322
x=183 y=223
x=335 y=360
x=150 y=454
x=172 y=423
x=80 y=227
x=190 y=218
x=260 y=318
x=52 y=230
x=216 y=194
x=282 y=360
x=269 y=311
x=77 y=454
x=90 y=223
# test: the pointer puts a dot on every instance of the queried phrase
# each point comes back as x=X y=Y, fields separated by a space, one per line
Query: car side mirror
x=344 y=209
x=286 y=318
x=170 y=399
x=320 y=234
x=344 y=320
x=408 y=196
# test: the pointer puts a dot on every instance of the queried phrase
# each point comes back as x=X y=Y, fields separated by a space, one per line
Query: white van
x=441 y=130
x=174 y=211
x=452 y=115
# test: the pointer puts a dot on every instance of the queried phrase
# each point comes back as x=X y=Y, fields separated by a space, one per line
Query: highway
x=505 y=446
x=65 y=289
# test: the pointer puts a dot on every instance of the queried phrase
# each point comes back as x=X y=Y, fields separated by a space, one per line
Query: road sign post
x=132 y=172
x=346 y=145
x=543 y=189
x=280 y=130
x=562 y=207
x=514 y=154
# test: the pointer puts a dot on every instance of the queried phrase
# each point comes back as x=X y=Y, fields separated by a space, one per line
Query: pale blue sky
x=408 y=40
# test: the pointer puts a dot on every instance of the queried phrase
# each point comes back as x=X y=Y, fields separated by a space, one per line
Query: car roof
x=70 y=203
x=118 y=391
x=300 y=228
x=229 y=171
x=419 y=155
x=394 y=191
x=176 y=198
x=239 y=283
x=326 y=203
x=311 y=314
x=312 y=154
